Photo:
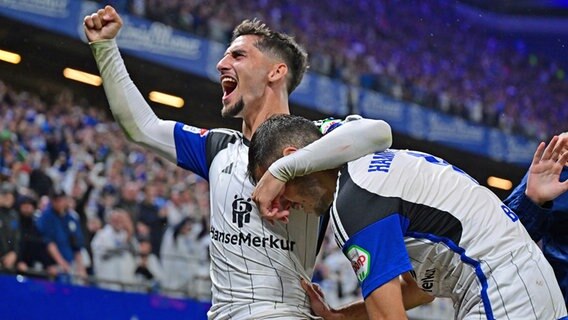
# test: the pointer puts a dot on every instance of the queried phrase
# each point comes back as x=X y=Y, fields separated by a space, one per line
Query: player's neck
x=270 y=104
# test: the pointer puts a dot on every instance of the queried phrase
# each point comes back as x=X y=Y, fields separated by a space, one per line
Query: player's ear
x=279 y=71
x=289 y=150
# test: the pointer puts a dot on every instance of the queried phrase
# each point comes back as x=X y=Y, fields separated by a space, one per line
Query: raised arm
x=347 y=142
x=128 y=106
x=532 y=198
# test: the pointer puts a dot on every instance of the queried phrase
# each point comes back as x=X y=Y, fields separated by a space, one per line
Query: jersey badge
x=360 y=261
x=241 y=210
x=195 y=130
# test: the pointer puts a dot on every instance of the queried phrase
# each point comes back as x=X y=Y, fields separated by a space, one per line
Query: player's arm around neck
x=128 y=106
x=348 y=142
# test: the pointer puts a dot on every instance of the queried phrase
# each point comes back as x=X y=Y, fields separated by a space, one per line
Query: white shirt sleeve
x=128 y=106
x=347 y=142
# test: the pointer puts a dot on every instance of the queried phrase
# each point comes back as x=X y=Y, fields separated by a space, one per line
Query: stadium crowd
x=422 y=52
x=120 y=217
x=79 y=203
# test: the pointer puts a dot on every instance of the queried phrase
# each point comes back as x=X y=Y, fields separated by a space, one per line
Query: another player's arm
x=354 y=311
x=347 y=142
x=386 y=302
x=411 y=295
x=532 y=198
x=127 y=104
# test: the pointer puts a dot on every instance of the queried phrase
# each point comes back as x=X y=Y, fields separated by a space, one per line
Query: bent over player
x=399 y=211
x=255 y=265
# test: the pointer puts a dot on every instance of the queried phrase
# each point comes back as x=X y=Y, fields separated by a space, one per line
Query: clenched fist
x=103 y=24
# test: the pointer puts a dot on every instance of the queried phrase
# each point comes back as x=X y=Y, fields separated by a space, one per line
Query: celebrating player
x=398 y=212
x=541 y=201
x=255 y=265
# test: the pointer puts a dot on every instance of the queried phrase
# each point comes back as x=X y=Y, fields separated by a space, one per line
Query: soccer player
x=401 y=212
x=541 y=202
x=255 y=265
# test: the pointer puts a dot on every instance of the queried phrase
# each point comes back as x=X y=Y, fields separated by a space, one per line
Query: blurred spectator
x=148 y=271
x=113 y=251
x=9 y=228
x=80 y=193
x=177 y=207
x=40 y=182
x=180 y=254
x=153 y=220
x=62 y=235
x=129 y=200
x=33 y=252
x=107 y=201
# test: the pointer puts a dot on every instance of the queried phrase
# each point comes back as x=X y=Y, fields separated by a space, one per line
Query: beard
x=317 y=194
x=234 y=110
x=322 y=207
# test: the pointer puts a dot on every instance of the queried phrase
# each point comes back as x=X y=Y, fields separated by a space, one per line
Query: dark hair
x=57 y=193
x=26 y=200
x=278 y=44
x=275 y=134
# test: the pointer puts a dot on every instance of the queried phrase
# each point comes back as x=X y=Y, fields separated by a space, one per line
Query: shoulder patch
x=191 y=129
x=327 y=125
x=360 y=261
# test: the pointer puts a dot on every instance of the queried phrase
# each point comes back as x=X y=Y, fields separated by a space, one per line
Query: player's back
x=460 y=238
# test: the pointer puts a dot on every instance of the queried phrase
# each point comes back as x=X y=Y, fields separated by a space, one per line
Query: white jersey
x=398 y=211
x=255 y=266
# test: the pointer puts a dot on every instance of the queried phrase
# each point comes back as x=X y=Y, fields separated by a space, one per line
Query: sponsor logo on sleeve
x=195 y=130
x=428 y=280
x=360 y=261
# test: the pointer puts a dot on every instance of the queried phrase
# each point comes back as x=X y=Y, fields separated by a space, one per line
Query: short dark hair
x=57 y=193
x=280 y=45
x=275 y=134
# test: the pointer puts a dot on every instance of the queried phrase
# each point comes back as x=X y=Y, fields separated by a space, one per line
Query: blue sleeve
x=533 y=217
x=46 y=228
x=191 y=146
x=378 y=253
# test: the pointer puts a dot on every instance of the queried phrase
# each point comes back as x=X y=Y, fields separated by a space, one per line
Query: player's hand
x=319 y=306
x=102 y=25
x=267 y=196
x=543 y=181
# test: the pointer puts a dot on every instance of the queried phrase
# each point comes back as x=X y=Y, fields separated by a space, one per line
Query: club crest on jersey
x=241 y=210
x=360 y=261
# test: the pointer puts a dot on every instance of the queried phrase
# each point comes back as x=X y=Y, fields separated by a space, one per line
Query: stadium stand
x=59 y=147
x=419 y=51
